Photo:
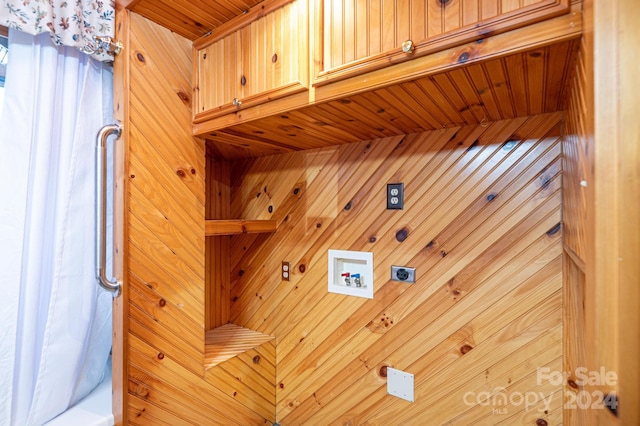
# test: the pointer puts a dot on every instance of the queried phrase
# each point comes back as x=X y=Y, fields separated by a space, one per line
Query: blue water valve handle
x=356 y=280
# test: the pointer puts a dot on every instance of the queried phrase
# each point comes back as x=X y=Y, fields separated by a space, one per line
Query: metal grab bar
x=110 y=284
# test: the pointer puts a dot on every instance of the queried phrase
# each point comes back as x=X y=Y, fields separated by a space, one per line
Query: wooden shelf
x=231 y=227
x=225 y=342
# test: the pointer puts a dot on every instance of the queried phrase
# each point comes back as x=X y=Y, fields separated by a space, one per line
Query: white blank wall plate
x=400 y=384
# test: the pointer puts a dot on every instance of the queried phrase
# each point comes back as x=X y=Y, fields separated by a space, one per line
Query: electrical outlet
x=395 y=196
x=403 y=274
x=286 y=271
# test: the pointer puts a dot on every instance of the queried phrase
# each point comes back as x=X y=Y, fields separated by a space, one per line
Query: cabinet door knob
x=407 y=46
x=237 y=103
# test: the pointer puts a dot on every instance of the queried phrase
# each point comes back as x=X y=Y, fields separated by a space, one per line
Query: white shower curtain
x=55 y=324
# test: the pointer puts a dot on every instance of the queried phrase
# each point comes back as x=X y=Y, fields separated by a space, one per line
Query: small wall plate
x=351 y=273
x=400 y=384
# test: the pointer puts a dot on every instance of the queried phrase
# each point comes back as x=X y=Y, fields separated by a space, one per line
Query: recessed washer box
x=351 y=273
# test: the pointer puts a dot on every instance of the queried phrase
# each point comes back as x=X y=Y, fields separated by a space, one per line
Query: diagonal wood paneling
x=519 y=85
x=480 y=224
x=167 y=383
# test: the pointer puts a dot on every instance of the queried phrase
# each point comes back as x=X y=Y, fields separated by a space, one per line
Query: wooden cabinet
x=260 y=56
x=358 y=36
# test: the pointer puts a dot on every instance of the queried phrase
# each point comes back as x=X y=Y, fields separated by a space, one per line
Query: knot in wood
x=184 y=97
x=555 y=229
x=256 y=359
x=383 y=371
x=465 y=349
x=162 y=303
x=464 y=57
x=402 y=234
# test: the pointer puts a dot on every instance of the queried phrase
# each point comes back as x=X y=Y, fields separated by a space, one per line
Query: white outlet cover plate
x=400 y=384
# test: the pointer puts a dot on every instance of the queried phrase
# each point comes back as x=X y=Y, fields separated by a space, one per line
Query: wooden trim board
x=230 y=227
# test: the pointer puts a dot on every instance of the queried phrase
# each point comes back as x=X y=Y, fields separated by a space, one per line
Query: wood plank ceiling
x=524 y=84
x=192 y=18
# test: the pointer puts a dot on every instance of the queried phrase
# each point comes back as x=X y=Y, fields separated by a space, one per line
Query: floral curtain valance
x=70 y=22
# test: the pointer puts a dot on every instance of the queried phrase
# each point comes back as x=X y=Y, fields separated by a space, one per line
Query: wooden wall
x=576 y=177
x=612 y=298
x=577 y=172
x=481 y=224
x=165 y=280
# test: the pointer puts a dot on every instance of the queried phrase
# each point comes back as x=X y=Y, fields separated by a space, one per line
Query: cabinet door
x=265 y=59
x=221 y=72
x=363 y=35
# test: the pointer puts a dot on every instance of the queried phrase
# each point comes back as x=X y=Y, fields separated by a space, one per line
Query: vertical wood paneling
x=628 y=199
x=470 y=12
x=383 y=25
x=480 y=219
x=574 y=219
x=608 y=107
x=453 y=15
x=217 y=287
x=334 y=37
x=574 y=328
x=388 y=25
x=373 y=31
x=363 y=15
x=418 y=16
x=509 y=5
x=262 y=58
x=349 y=35
x=220 y=66
x=403 y=21
x=434 y=18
